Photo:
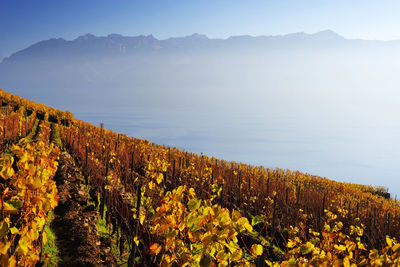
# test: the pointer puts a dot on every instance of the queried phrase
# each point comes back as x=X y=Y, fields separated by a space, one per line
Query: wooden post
x=116 y=144
x=287 y=196
x=388 y=223
x=287 y=203
x=249 y=183
x=86 y=155
x=222 y=196
x=13 y=124
x=349 y=209
x=26 y=123
x=173 y=173
x=357 y=211
x=101 y=129
x=4 y=121
x=132 y=165
x=298 y=194
x=274 y=217
x=138 y=198
x=240 y=183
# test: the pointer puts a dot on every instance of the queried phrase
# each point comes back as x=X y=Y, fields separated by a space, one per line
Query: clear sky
x=24 y=22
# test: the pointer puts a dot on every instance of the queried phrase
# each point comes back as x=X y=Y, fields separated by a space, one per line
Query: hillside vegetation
x=165 y=206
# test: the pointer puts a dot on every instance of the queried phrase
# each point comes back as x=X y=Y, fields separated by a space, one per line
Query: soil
x=75 y=222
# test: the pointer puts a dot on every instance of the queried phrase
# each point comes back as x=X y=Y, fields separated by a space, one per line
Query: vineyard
x=155 y=205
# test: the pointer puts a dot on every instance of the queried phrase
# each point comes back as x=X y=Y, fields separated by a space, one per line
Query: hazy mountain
x=114 y=44
x=144 y=70
x=318 y=102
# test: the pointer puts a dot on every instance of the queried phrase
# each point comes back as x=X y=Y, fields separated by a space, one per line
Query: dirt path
x=74 y=223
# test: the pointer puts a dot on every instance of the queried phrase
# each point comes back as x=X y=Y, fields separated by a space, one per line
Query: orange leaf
x=155 y=249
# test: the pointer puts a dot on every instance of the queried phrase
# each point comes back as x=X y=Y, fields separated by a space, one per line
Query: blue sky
x=24 y=22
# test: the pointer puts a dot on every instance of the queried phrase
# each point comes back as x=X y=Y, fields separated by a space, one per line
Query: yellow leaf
x=24 y=157
x=256 y=220
x=7 y=172
x=44 y=237
x=4 y=247
x=389 y=242
x=307 y=248
x=3 y=228
x=9 y=208
x=142 y=216
x=256 y=250
x=10 y=172
x=245 y=223
x=136 y=241
x=191 y=236
x=361 y=246
x=151 y=185
x=290 y=243
x=340 y=247
x=12 y=262
x=346 y=262
x=14 y=230
x=23 y=245
x=194 y=204
x=160 y=177
x=396 y=247
x=155 y=249
x=192 y=193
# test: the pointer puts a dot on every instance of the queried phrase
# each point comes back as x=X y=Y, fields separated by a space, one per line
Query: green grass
x=56 y=135
x=50 y=250
x=105 y=231
x=32 y=133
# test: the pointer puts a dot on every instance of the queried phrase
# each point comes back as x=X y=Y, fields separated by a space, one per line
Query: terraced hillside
x=74 y=194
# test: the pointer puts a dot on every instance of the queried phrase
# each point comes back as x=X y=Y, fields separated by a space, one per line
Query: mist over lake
x=321 y=104
x=341 y=150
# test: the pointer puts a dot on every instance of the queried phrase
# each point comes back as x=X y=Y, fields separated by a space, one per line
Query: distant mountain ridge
x=143 y=68
x=113 y=44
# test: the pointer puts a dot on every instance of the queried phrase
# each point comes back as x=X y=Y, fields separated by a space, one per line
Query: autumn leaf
x=307 y=248
x=290 y=243
x=142 y=216
x=256 y=220
x=396 y=247
x=23 y=245
x=44 y=237
x=194 y=204
x=160 y=178
x=4 y=247
x=389 y=241
x=10 y=208
x=340 y=248
x=346 y=262
x=256 y=250
x=14 y=230
x=245 y=223
x=155 y=249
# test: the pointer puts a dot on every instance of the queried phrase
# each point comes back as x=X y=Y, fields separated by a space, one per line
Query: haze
x=316 y=102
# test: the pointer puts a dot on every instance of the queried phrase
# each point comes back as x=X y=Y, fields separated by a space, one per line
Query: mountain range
x=114 y=44
x=315 y=102
x=146 y=71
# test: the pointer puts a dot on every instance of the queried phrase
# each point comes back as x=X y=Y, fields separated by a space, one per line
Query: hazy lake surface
x=349 y=150
x=332 y=112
